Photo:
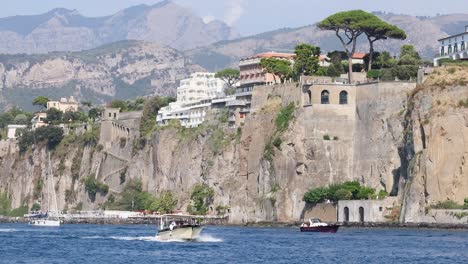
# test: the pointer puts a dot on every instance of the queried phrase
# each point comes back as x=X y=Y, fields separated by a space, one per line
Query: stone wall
x=366 y=210
x=289 y=92
x=327 y=212
x=116 y=125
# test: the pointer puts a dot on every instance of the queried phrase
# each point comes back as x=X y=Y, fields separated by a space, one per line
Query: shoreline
x=153 y=221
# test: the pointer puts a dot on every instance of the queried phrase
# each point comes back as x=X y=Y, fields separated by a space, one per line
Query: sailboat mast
x=48 y=182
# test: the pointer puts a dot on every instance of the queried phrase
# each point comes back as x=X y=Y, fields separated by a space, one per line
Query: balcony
x=237 y=102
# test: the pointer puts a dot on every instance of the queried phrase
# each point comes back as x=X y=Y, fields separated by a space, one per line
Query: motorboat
x=315 y=225
x=179 y=227
x=51 y=218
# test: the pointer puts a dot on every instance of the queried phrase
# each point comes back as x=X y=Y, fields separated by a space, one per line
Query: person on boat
x=172 y=225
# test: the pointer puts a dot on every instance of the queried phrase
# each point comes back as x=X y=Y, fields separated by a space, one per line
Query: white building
x=12 y=130
x=64 y=104
x=39 y=120
x=453 y=47
x=200 y=86
x=194 y=99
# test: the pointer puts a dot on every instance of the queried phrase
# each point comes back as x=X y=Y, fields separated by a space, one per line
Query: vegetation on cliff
x=351 y=190
x=202 y=197
x=93 y=186
x=134 y=198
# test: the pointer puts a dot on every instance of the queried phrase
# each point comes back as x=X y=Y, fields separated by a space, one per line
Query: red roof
x=272 y=55
x=359 y=55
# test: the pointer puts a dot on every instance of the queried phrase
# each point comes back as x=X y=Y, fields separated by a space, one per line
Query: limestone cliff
x=414 y=149
x=437 y=125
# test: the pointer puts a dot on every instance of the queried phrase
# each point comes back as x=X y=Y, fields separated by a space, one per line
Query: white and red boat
x=315 y=225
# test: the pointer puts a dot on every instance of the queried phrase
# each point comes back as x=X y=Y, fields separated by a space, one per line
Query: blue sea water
x=137 y=244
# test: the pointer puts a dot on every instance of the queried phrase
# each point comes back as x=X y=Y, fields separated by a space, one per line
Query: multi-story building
x=195 y=97
x=453 y=47
x=252 y=73
x=39 y=120
x=200 y=86
x=64 y=104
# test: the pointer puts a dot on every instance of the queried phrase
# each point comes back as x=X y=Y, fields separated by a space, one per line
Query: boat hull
x=321 y=229
x=181 y=233
x=46 y=223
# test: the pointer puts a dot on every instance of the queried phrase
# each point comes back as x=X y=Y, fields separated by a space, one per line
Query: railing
x=237 y=102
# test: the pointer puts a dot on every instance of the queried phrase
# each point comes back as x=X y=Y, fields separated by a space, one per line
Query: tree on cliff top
x=377 y=29
x=347 y=27
x=277 y=67
x=306 y=61
x=229 y=76
x=41 y=101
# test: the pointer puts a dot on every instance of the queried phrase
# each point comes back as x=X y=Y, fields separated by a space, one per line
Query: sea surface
x=137 y=244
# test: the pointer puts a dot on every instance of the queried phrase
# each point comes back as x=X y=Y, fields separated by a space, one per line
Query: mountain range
x=120 y=70
x=60 y=29
x=146 y=49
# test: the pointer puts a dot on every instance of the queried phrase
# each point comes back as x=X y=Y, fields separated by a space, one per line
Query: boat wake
x=7 y=230
x=208 y=239
x=126 y=238
x=201 y=239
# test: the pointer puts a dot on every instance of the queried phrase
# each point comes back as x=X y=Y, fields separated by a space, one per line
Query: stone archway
x=361 y=214
x=346 y=214
x=325 y=97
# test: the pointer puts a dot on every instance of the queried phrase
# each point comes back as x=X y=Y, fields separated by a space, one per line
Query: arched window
x=346 y=214
x=361 y=214
x=325 y=97
x=309 y=93
x=343 y=97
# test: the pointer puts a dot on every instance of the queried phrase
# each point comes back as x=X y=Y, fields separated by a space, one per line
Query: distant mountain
x=423 y=33
x=165 y=23
x=121 y=70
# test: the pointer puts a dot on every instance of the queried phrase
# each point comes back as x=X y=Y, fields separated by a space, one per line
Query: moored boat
x=52 y=216
x=179 y=227
x=315 y=225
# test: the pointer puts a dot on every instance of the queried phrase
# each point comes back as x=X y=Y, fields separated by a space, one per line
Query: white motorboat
x=179 y=227
x=52 y=216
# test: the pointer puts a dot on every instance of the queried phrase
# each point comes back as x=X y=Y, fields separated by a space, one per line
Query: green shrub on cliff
x=350 y=190
x=134 y=198
x=93 y=186
x=202 y=197
x=5 y=203
x=48 y=134
x=284 y=117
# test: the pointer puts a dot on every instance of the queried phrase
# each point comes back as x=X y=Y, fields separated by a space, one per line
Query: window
x=325 y=98
x=346 y=214
x=343 y=97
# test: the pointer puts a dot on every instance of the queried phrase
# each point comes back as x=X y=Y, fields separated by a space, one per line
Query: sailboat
x=52 y=215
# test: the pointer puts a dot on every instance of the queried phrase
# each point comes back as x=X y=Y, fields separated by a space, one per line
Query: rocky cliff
x=437 y=144
x=409 y=141
x=165 y=23
x=120 y=70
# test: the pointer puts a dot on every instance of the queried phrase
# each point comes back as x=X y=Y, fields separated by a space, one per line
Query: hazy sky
x=248 y=16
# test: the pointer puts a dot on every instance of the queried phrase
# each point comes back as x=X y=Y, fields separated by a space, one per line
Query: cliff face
x=261 y=179
x=121 y=70
x=438 y=122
